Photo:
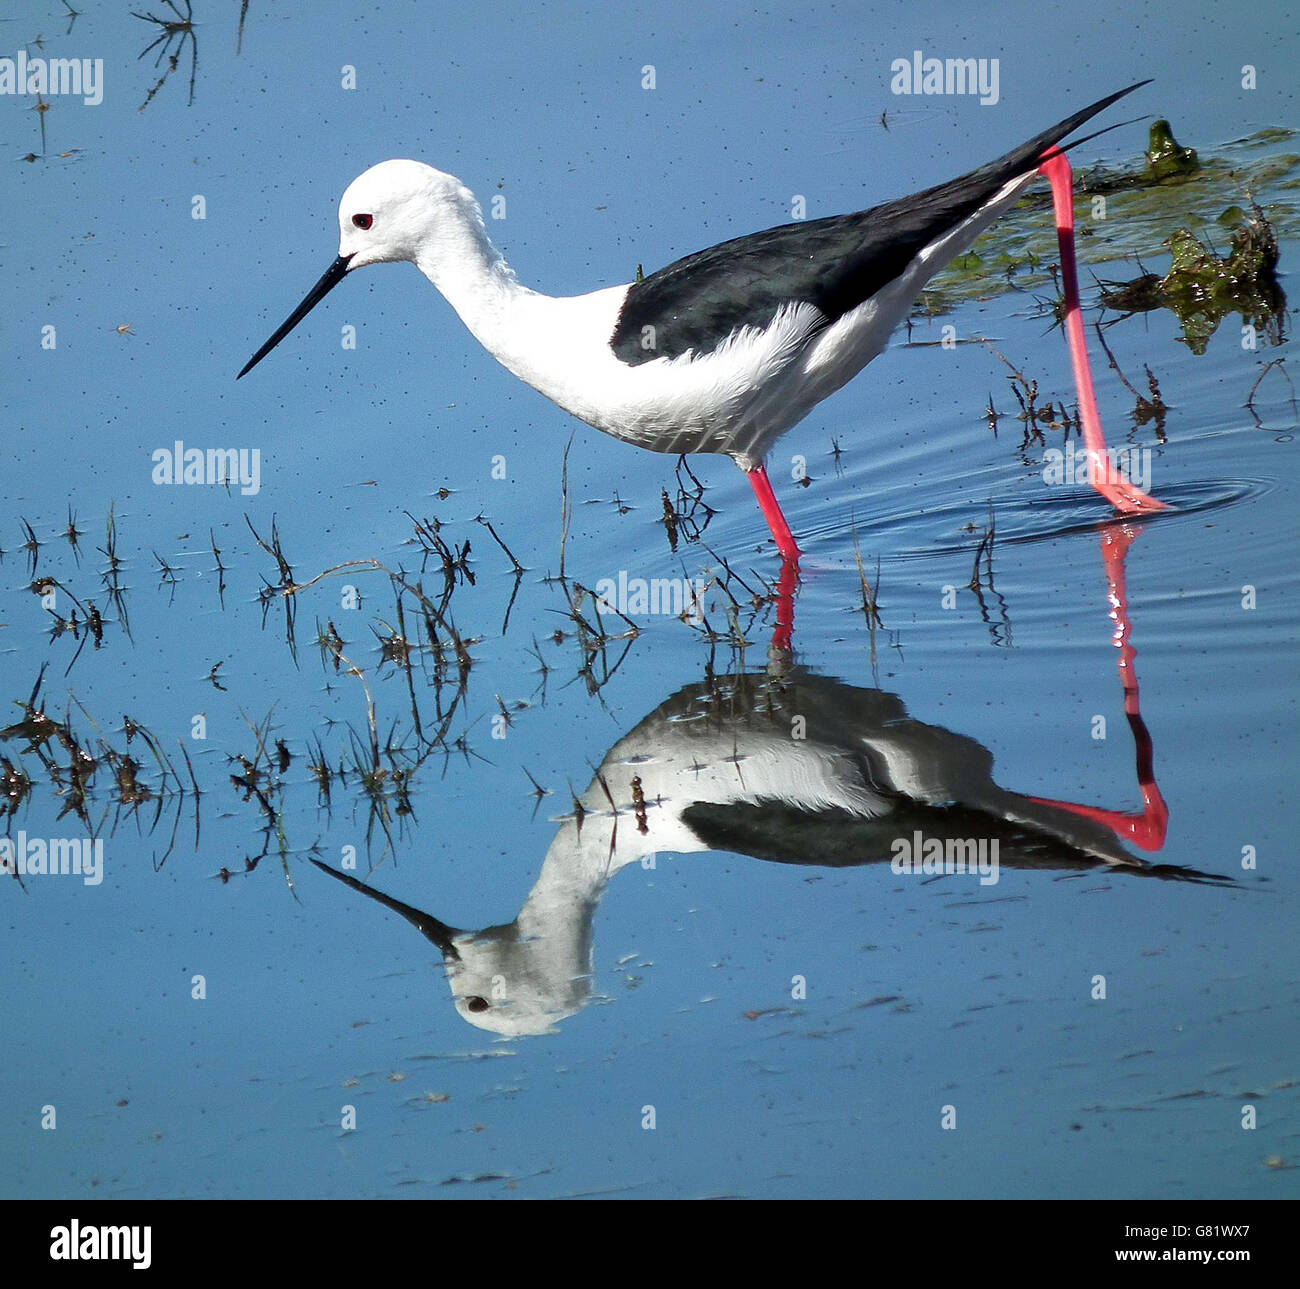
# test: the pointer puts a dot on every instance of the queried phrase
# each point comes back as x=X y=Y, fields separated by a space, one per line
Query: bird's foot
x=1129 y=499
x=1115 y=485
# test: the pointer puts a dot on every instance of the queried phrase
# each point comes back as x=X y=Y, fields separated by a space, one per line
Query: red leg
x=785 y=543
x=1126 y=497
x=1146 y=829
x=767 y=503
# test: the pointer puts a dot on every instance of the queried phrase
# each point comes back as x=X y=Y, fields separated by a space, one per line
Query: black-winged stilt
x=714 y=768
x=725 y=350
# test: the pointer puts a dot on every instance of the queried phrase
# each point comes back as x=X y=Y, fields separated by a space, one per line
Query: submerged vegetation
x=370 y=763
x=1132 y=212
x=1165 y=158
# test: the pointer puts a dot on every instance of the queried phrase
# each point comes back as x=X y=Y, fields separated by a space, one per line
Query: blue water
x=920 y=999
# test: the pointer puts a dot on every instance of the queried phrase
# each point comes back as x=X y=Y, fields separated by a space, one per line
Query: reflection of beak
x=333 y=276
x=439 y=932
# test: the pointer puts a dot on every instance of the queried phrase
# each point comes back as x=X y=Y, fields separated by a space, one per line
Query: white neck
x=558 y=345
x=474 y=277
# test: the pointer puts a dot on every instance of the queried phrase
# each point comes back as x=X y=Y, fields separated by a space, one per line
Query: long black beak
x=333 y=276
x=439 y=932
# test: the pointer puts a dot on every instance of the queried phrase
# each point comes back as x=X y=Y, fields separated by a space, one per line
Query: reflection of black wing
x=928 y=779
x=834 y=264
x=784 y=834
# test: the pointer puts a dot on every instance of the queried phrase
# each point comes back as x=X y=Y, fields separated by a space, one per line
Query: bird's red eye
x=363 y=221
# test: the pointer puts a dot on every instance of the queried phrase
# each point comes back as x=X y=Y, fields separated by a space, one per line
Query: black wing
x=834 y=263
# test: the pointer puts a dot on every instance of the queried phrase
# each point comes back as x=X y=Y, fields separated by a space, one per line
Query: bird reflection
x=793 y=768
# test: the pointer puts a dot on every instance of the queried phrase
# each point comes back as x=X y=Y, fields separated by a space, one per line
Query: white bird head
x=513 y=984
x=399 y=209
x=504 y=979
x=395 y=211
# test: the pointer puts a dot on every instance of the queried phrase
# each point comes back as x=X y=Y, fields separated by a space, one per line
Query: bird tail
x=1028 y=155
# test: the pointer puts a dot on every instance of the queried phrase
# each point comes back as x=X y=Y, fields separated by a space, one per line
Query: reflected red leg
x=1148 y=827
x=1126 y=497
x=783 y=632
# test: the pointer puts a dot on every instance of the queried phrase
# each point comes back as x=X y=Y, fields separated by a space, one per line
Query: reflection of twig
x=1280 y=364
x=40 y=108
x=870 y=611
x=1032 y=416
x=669 y=520
x=111 y=576
x=73 y=780
x=178 y=29
x=91 y=629
x=593 y=641
x=251 y=782
x=221 y=569
x=596 y=601
x=284 y=589
x=591 y=645
x=731 y=575
x=518 y=567
x=541 y=667
x=404 y=657
x=519 y=570
x=1028 y=412
x=566 y=509
x=354 y=670
x=1146 y=409
x=760 y=600
x=32 y=545
x=514 y=594
x=105 y=785
x=1000 y=632
x=72 y=533
x=167 y=577
x=197 y=794
x=455 y=563
x=683 y=515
